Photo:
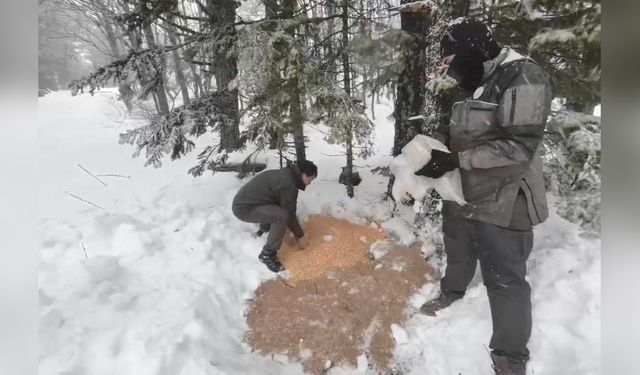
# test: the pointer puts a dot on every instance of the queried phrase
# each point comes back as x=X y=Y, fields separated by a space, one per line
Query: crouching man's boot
x=270 y=259
x=508 y=366
x=444 y=300
x=264 y=228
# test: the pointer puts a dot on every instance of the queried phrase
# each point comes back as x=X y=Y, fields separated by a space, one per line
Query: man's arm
x=289 y=200
x=522 y=113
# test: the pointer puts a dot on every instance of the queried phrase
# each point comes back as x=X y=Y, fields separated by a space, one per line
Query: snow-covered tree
x=572 y=162
x=562 y=35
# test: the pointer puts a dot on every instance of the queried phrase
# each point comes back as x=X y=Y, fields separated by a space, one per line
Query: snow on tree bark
x=160 y=94
x=180 y=78
x=409 y=102
x=222 y=20
x=410 y=89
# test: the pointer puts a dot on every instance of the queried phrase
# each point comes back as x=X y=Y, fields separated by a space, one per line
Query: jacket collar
x=506 y=55
x=297 y=177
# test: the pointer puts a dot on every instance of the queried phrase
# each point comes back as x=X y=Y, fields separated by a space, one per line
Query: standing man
x=270 y=199
x=495 y=139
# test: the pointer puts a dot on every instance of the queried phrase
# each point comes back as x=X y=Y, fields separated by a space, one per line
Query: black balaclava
x=472 y=43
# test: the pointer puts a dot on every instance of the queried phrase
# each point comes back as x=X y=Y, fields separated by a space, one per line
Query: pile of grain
x=331 y=244
x=332 y=321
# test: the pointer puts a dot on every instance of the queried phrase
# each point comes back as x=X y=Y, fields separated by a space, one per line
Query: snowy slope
x=156 y=280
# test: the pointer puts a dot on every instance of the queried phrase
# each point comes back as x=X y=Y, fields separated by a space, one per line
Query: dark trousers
x=273 y=218
x=503 y=255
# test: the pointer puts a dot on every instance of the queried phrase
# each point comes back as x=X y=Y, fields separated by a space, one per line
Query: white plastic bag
x=414 y=156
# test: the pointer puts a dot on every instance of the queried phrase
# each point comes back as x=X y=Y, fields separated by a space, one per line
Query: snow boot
x=506 y=366
x=270 y=259
x=444 y=300
x=264 y=228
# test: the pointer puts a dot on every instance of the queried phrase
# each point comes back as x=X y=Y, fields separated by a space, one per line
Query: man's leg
x=461 y=256
x=461 y=262
x=503 y=255
x=277 y=218
x=264 y=228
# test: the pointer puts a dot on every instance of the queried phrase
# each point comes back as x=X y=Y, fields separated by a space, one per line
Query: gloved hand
x=441 y=162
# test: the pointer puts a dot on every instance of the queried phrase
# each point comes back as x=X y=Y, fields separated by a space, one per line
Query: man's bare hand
x=302 y=243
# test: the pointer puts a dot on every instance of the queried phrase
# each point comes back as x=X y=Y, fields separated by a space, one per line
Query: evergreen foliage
x=258 y=77
x=572 y=164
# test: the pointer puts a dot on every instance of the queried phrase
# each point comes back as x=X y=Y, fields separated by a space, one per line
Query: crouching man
x=495 y=139
x=270 y=199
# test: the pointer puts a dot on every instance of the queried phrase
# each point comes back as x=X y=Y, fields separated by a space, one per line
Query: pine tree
x=561 y=35
x=572 y=162
x=168 y=132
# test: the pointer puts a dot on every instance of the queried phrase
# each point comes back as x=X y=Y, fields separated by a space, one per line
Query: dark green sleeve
x=289 y=200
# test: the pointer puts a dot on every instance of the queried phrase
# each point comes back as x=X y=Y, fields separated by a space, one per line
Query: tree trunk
x=197 y=82
x=161 y=95
x=182 y=82
x=329 y=53
x=347 y=88
x=125 y=90
x=373 y=112
x=275 y=142
x=363 y=31
x=112 y=40
x=295 y=105
x=410 y=91
x=225 y=70
x=297 y=120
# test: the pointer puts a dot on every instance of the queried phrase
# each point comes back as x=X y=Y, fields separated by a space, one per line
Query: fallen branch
x=85 y=250
x=113 y=175
x=84 y=200
x=92 y=175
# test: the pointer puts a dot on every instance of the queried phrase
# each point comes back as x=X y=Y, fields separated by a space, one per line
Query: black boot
x=503 y=365
x=264 y=228
x=270 y=259
x=444 y=300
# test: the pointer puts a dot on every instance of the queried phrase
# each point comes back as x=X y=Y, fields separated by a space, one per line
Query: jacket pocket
x=479 y=188
x=522 y=105
x=471 y=119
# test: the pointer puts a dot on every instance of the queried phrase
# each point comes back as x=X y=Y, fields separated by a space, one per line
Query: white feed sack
x=414 y=156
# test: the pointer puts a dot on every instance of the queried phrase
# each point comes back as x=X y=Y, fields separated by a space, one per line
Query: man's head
x=464 y=48
x=308 y=171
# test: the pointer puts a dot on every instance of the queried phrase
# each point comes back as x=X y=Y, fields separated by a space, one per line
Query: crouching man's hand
x=302 y=242
x=441 y=162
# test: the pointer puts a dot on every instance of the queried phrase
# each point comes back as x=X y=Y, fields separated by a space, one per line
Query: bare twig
x=85 y=250
x=113 y=175
x=84 y=200
x=285 y=283
x=92 y=175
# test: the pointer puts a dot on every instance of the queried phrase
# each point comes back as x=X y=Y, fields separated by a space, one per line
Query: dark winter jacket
x=497 y=134
x=273 y=187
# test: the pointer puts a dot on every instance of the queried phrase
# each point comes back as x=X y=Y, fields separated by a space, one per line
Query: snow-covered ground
x=155 y=280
